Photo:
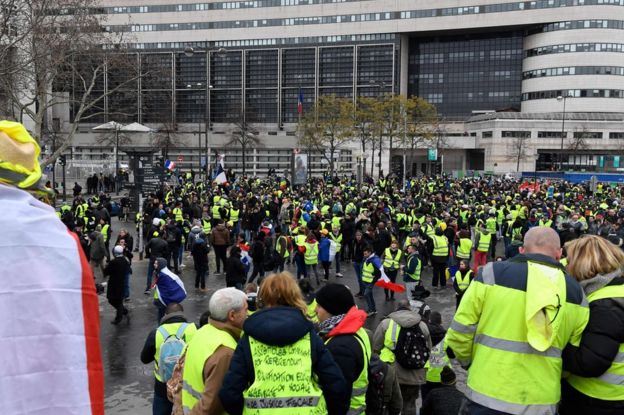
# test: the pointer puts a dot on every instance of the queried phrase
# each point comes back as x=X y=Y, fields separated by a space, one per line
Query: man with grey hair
x=209 y=354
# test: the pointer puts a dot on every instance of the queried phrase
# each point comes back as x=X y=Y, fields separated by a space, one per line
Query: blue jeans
x=161 y=405
x=301 y=268
x=357 y=266
x=368 y=295
x=150 y=272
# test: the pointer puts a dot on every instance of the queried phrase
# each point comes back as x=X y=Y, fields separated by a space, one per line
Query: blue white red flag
x=300 y=102
x=170 y=165
x=220 y=176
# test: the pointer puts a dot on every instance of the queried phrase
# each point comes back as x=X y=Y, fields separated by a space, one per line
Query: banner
x=300 y=174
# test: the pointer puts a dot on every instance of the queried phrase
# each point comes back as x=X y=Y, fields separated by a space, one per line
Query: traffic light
x=62 y=160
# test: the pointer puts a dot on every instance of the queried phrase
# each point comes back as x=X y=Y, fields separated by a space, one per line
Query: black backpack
x=411 y=350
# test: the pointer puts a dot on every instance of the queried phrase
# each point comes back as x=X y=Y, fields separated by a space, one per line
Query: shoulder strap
x=181 y=330
x=163 y=332
x=362 y=345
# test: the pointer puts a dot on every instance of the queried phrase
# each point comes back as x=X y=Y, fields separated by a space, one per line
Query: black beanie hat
x=335 y=298
x=447 y=376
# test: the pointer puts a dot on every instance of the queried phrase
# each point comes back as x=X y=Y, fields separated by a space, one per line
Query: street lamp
x=562 y=98
x=189 y=52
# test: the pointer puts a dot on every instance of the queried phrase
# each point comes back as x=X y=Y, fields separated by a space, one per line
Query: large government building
x=518 y=85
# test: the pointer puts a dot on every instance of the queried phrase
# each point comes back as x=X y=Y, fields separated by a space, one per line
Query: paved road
x=129 y=383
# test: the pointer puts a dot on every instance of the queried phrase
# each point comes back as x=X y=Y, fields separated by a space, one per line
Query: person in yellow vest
x=412 y=270
x=439 y=249
x=385 y=340
x=310 y=251
x=341 y=326
x=281 y=365
x=391 y=262
x=173 y=326
x=372 y=269
x=208 y=354
x=518 y=315
x=461 y=280
x=438 y=358
x=483 y=241
x=596 y=381
x=336 y=236
x=464 y=245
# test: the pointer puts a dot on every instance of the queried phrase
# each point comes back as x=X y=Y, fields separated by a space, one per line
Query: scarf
x=594 y=284
x=328 y=325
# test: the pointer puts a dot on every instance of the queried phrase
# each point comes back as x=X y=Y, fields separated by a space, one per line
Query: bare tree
x=328 y=126
x=56 y=54
x=245 y=136
x=166 y=137
x=364 y=116
x=419 y=118
x=518 y=149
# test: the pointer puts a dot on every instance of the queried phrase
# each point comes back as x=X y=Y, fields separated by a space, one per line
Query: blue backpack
x=170 y=351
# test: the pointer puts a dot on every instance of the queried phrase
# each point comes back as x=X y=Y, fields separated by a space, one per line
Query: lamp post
x=189 y=52
x=562 y=98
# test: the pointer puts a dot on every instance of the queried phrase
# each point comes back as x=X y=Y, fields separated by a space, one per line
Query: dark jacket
x=199 y=251
x=220 y=235
x=280 y=326
x=445 y=400
x=174 y=233
x=149 y=348
x=601 y=339
x=116 y=269
x=234 y=271
x=345 y=348
x=156 y=247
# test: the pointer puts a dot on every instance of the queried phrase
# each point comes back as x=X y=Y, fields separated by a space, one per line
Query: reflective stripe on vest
x=391 y=263
x=463 y=281
x=440 y=245
x=234 y=215
x=464 y=248
x=311 y=253
x=437 y=361
x=390 y=340
x=337 y=239
x=416 y=275
x=484 y=242
x=610 y=385
x=283 y=380
x=367 y=272
x=357 y=404
x=216 y=214
x=198 y=350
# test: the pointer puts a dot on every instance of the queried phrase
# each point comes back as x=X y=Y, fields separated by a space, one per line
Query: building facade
x=518 y=84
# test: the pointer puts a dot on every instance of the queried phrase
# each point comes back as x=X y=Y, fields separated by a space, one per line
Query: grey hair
x=225 y=300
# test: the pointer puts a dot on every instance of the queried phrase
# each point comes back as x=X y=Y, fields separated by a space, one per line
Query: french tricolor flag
x=170 y=165
x=300 y=102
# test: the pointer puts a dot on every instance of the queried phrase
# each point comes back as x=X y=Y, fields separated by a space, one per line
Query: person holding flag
x=372 y=270
x=51 y=356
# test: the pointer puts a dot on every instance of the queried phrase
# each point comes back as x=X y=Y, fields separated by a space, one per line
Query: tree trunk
x=363 y=161
x=372 y=170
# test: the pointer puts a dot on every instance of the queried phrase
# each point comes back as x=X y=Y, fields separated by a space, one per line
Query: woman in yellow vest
x=596 y=382
x=281 y=365
x=462 y=279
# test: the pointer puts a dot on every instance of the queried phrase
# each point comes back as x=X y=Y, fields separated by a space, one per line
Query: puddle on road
x=129 y=399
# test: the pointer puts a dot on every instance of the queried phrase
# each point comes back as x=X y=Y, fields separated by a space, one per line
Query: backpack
x=170 y=351
x=411 y=349
x=271 y=259
x=171 y=238
x=377 y=373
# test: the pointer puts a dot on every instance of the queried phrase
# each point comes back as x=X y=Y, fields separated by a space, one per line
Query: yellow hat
x=443 y=226
x=19 y=154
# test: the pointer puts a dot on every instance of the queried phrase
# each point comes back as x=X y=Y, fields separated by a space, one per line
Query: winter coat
x=345 y=347
x=602 y=336
x=234 y=271
x=173 y=232
x=324 y=245
x=277 y=327
x=220 y=235
x=97 y=250
x=199 y=251
x=404 y=318
x=155 y=248
x=116 y=269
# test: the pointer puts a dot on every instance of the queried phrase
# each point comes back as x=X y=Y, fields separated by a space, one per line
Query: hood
x=220 y=227
x=277 y=326
x=352 y=322
x=177 y=317
x=162 y=263
x=196 y=229
x=594 y=284
x=405 y=318
x=546 y=289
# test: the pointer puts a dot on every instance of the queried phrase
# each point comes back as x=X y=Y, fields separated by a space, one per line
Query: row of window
x=312 y=40
x=590 y=135
x=449 y=11
x=575 y=93
x=348 y=18
x=575 y=47
x=574 y=70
